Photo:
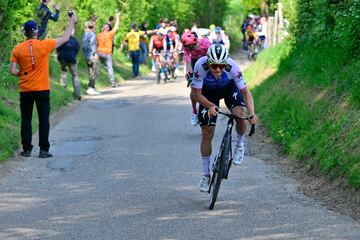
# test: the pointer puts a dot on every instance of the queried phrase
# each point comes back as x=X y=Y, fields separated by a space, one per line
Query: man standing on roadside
x=32 y=56
x=92 y=60
x=104 y=47
x=43 y=15
x=133 y=43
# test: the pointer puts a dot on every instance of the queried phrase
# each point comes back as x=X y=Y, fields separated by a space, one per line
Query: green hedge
x=311 y=105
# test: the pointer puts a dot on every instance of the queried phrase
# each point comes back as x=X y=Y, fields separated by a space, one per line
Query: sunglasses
x=214 y=66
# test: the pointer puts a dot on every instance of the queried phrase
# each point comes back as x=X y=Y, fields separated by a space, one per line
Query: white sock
x=240 y=140
x=206 y=166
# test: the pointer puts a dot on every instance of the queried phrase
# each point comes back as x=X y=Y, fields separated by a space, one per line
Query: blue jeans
x=135 y=59
x=144 y=52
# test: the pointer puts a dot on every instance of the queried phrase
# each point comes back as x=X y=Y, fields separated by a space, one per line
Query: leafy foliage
x=311 y=104
x=13 y=13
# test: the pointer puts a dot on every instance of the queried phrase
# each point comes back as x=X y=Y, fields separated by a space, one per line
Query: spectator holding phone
x=32 y=57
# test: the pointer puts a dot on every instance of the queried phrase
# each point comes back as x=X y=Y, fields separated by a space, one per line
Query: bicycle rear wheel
x=166 y=72
x=218 y=172
x=158 y=73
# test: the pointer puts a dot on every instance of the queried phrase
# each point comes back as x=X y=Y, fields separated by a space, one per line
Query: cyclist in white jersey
x=216 y=76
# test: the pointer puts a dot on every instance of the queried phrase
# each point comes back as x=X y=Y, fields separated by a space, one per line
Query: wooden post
x=271 y=31
x=275 y=28
x=280 y=23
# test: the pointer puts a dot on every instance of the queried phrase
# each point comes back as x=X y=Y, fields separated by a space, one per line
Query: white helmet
x=217 y=53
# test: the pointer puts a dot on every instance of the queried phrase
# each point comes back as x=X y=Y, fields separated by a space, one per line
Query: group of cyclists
x=166 y=49
x=254 y=31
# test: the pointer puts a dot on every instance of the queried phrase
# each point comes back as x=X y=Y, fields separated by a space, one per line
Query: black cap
x=30 y=26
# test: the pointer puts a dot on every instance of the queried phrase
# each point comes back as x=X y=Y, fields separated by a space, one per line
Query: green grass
x=9 y=105
x=310 y=105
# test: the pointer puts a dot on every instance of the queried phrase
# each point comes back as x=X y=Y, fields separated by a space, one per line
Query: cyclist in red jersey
x=194 y=48
x=157 y=47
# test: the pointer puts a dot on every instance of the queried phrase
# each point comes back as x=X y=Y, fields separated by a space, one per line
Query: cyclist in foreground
x=216 y=76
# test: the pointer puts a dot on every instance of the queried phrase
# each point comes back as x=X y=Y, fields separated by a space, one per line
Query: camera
x=71 y=13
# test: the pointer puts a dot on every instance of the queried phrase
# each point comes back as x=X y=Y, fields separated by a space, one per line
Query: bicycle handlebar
x=158 y=54
x=230 y=115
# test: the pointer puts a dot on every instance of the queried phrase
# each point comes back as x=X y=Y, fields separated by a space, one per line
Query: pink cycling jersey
x=199 y=52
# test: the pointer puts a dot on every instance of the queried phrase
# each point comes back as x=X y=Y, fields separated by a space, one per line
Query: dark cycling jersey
x=169 y=42
x=174 y=37
x=226 y=87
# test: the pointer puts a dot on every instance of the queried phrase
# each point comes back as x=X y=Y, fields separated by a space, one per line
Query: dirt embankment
x=335 y=195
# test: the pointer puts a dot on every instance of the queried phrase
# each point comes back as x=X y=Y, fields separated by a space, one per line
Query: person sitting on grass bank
x=32 y=56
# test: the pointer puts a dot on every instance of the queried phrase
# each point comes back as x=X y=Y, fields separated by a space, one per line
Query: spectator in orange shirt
x=32 y=56
x=104 y=47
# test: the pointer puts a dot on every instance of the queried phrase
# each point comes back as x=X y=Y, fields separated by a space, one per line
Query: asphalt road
x=126 y=165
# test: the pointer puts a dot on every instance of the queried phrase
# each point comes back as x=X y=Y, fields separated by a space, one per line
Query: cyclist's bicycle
x=252 y=50
x=172 y=66
x=158 y=67
x=223 y=159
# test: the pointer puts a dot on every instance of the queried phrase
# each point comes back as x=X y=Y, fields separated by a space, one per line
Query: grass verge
x=307 y=109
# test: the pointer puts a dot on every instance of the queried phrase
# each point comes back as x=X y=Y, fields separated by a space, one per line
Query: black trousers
x=42 y=101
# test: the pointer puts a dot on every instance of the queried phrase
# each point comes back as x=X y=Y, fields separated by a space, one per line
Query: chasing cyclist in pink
x=194 y=48
x=196 y=52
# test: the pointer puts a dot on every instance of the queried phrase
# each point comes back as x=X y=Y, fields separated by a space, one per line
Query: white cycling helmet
x=217 y=53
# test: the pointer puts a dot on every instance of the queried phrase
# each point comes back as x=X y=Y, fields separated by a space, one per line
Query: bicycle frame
x=160 y=65
x=223 y=160
x=172 y=66
x=227 y=134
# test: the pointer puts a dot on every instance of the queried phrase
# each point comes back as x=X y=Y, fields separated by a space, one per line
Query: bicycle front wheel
x=218 y=172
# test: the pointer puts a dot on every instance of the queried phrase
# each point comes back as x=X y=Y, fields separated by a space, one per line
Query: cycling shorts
x=231 y=95
x=158 y=50
x=249 y=42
